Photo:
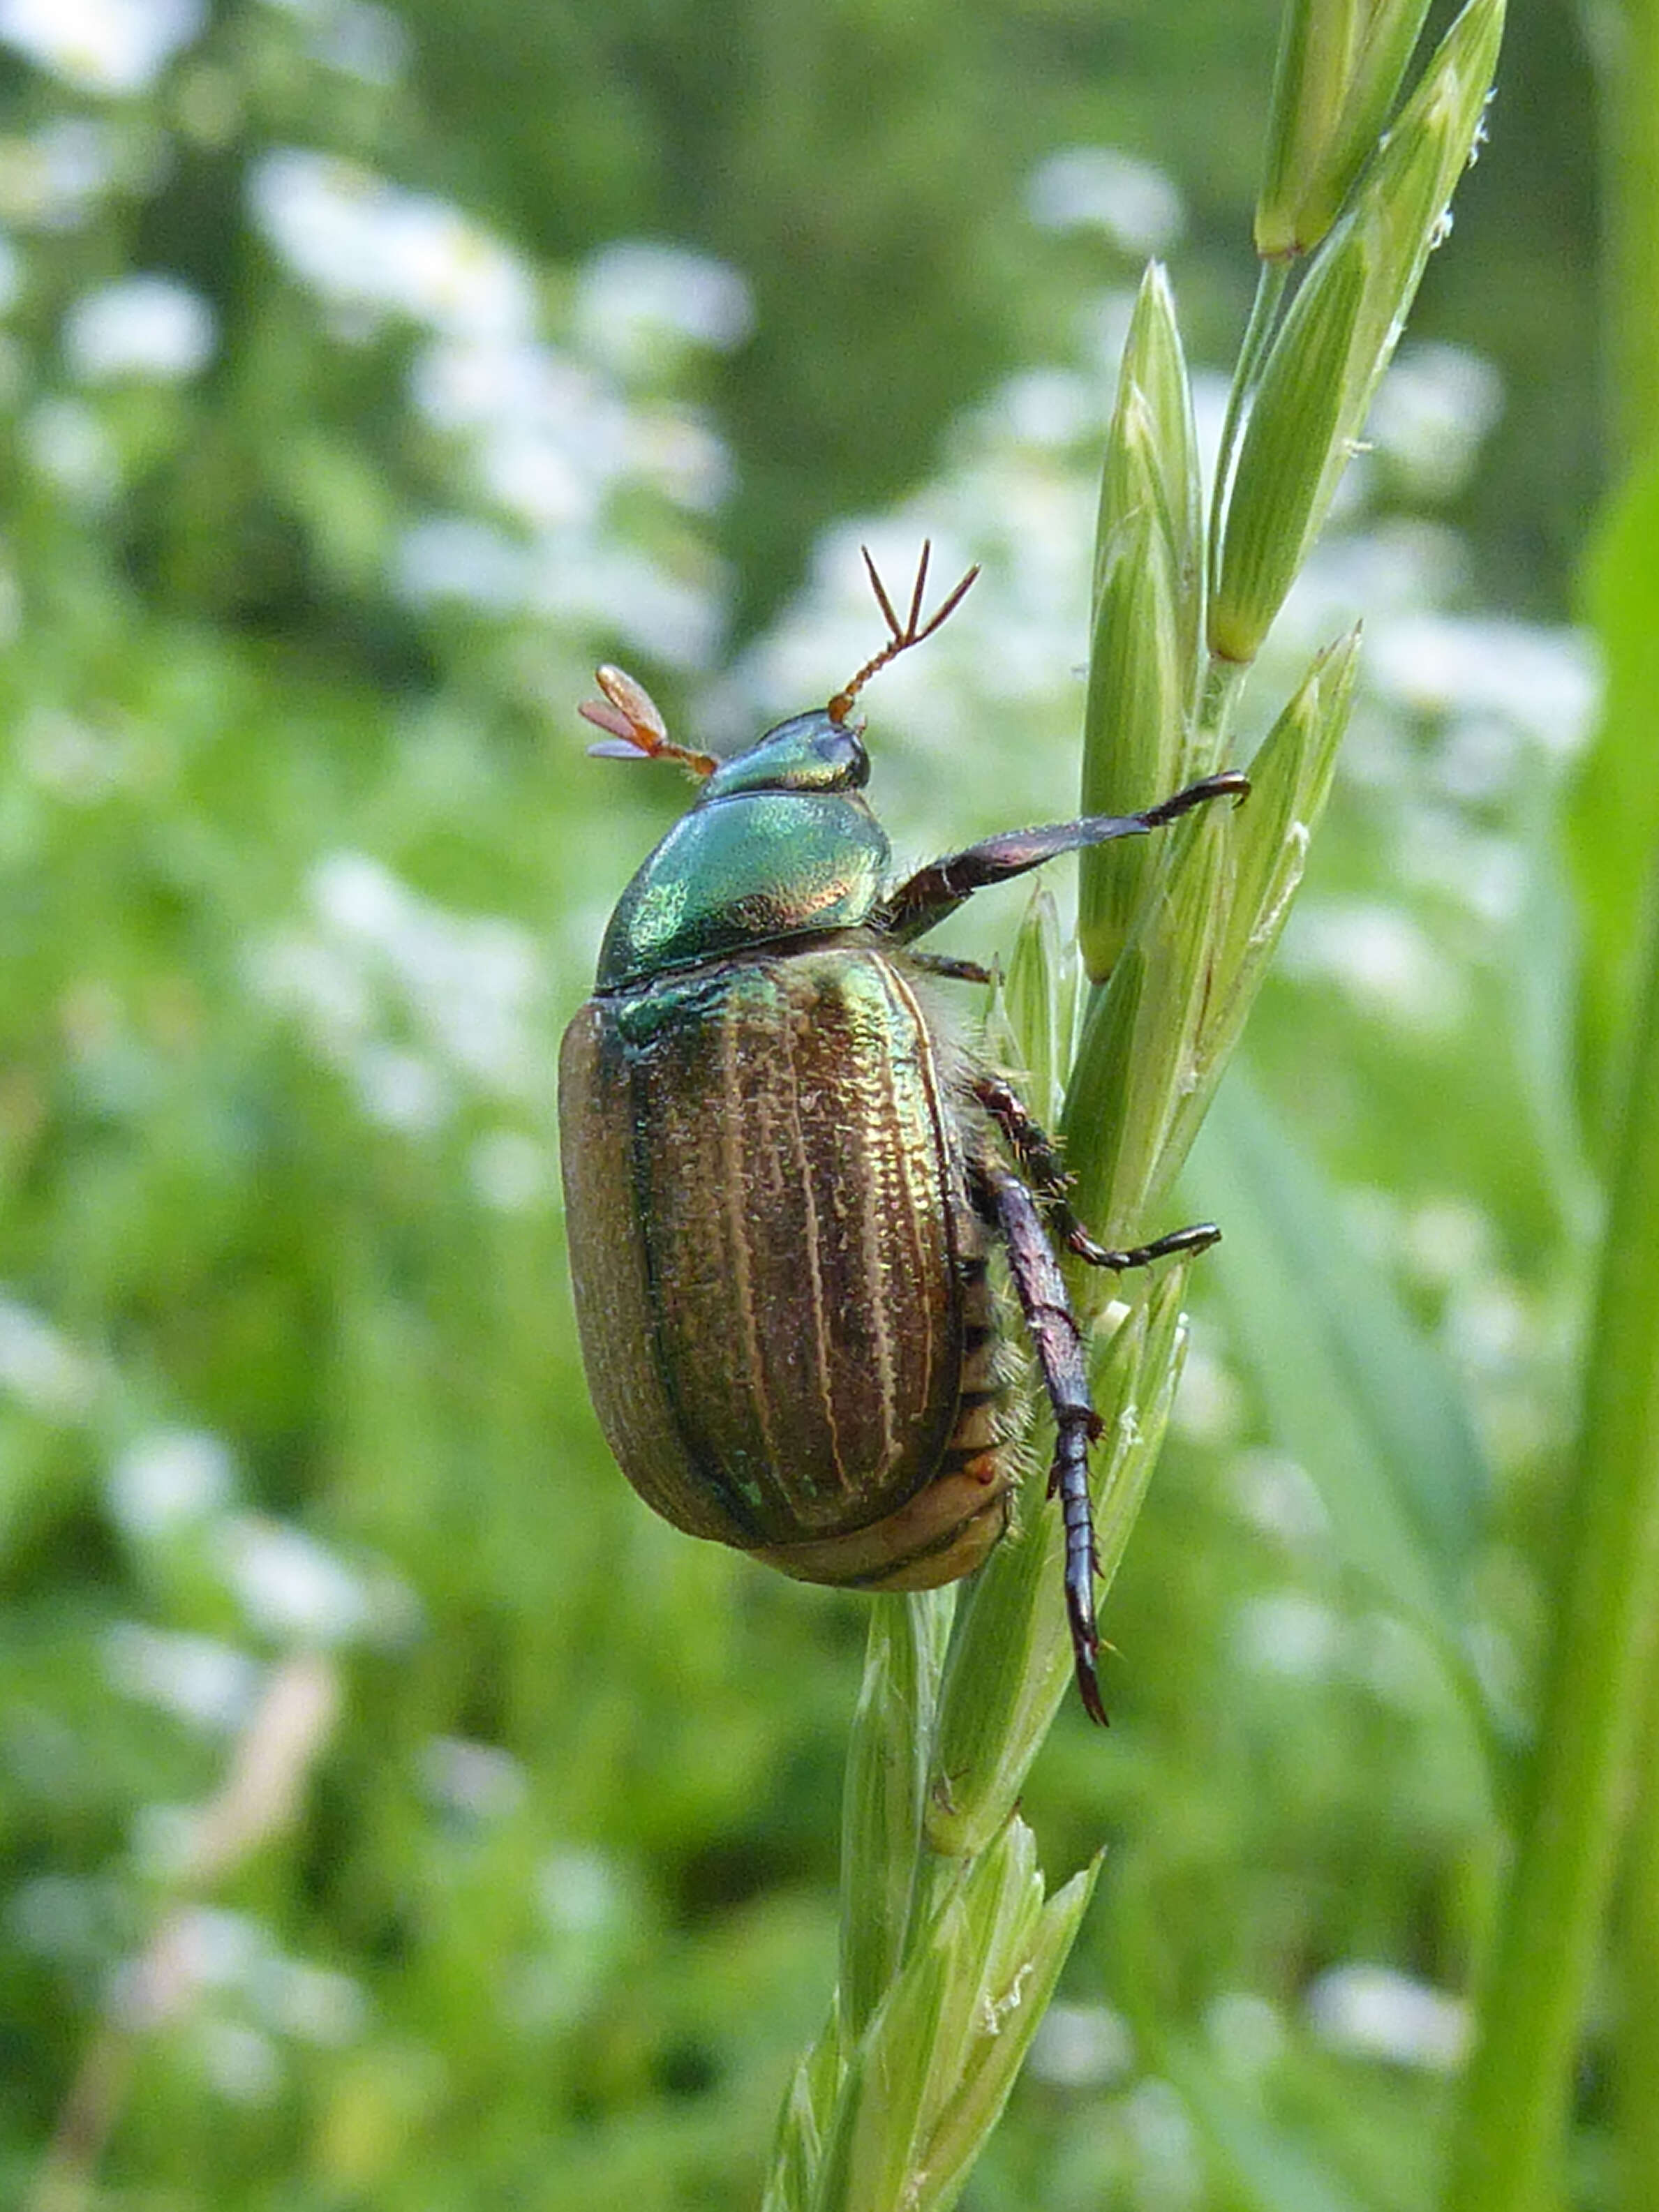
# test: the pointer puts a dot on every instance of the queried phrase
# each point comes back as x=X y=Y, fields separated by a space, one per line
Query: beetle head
x=809 y=752
x=819 y=751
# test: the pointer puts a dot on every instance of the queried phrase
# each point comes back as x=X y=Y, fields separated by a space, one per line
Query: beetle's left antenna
x=902 y=635
x=637 y=729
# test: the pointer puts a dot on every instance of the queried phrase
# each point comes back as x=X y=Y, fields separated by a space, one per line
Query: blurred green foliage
x=305 y=560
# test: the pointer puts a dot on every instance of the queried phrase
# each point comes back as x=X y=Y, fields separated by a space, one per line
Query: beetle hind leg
x=1005 y=1200
x=1039 y=1158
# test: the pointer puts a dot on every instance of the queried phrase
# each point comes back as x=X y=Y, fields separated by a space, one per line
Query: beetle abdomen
x=763 y=1210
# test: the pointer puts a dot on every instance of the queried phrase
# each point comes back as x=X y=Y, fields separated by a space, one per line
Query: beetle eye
x=850 y=756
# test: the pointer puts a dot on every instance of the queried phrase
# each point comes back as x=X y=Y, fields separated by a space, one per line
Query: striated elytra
x=783 y=1172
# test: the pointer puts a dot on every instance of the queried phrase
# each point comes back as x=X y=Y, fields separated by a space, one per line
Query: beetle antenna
x=902 y=635
x=637 y=729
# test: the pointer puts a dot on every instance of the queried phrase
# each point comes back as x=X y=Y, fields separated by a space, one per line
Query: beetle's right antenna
x=637 y=729
x=903 y=635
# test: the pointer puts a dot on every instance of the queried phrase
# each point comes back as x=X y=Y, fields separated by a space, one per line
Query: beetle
x=783 y=1170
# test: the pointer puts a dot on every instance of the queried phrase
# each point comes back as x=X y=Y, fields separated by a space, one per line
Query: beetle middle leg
x=1001 y=1195
x=1039 y=1156
x=952 y=971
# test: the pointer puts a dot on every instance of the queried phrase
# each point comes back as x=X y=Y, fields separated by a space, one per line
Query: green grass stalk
x=1507 y=2146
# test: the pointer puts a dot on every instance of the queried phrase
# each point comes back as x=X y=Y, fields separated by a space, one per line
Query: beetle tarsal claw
x=1085 y=1648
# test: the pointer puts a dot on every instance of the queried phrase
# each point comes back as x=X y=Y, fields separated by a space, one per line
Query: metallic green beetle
x=782 y=1171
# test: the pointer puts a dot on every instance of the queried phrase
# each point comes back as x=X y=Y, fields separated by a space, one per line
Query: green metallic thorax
x=780 y=844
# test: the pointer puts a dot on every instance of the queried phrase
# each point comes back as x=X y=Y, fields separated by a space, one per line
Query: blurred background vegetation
x=392 y=1814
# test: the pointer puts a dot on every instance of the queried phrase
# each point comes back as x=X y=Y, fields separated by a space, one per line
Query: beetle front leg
x=1040 y=1159
x=1059 y=1345
x=929 y=897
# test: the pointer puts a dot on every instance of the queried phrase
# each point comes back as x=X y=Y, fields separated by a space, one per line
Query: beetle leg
x=1059 y=1344
x=1040 y=1160
x=925 y=899
x=953 y=970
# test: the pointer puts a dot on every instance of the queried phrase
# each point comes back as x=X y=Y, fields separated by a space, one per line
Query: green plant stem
x=886 y=1774
x=1272 y=278
x=1221 y=685
x=1507 y=2150
x=1629 y=90
x=1637 y=2063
